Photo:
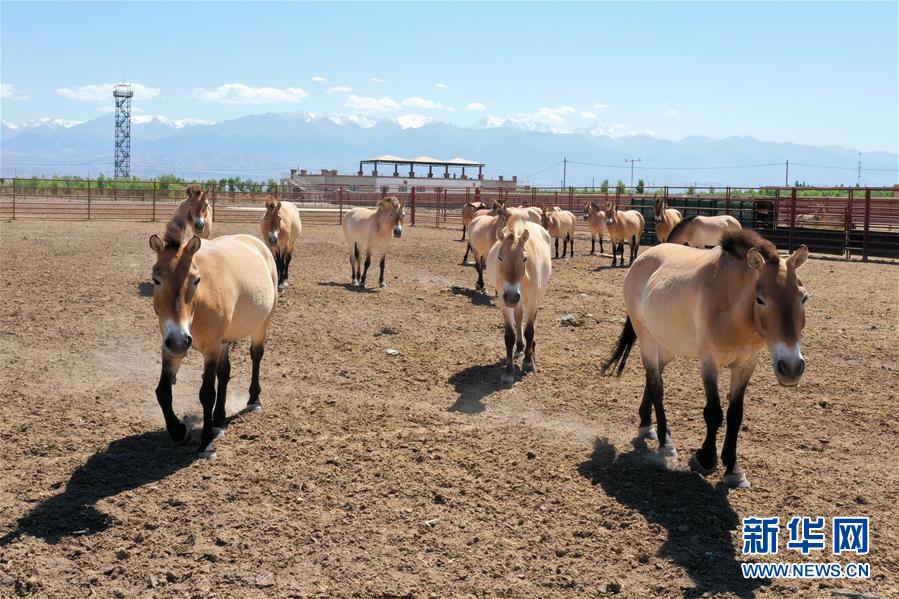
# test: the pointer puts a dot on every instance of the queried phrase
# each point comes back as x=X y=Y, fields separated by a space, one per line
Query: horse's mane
x=174 y=232
x=515 y=225
x=194 y=190
x=681 y=226
x=738 y=244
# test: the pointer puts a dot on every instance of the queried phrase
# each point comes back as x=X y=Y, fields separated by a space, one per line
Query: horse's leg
x=256 y=352
x=207 y=400
x=381 y=282
x=354 y=262
x=654 y=364
x=177 y=430
x=479 y=265
x=509 y=317
x=705 y=461
x=287 y=258
x=593 y=245
x=463 y=232
x=557 y=247
x=571 y=243
x=614 y=252
x=601 y=250
x=221 y=392
x=739 y=379
x=634 y=247
x=519 y=332
x=465 y=257
x=529 y=365
x=365 y=269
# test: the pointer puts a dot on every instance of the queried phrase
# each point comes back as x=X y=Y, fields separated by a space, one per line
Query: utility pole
x=632 y=168
x=564 y=172
x=787 y=175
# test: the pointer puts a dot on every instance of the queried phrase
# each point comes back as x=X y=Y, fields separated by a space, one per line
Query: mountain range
x=263 y=146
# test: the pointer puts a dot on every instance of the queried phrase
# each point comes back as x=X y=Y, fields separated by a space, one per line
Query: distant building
x=406 y=173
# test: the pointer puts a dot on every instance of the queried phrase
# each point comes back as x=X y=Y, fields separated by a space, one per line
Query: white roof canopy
x=391 y=159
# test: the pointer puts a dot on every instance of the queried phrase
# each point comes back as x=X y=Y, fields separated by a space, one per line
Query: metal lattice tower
x=123 y=94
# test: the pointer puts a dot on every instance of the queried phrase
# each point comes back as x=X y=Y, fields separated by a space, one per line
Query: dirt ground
x=416 y=475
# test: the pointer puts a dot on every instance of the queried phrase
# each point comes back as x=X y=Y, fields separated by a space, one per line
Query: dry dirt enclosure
x=416 y=475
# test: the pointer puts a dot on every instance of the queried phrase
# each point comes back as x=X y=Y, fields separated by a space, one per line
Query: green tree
x=604 y=187
x=640 y=186
x=620 y=187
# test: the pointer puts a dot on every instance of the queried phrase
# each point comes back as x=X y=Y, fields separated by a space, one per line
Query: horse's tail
x=615 y=362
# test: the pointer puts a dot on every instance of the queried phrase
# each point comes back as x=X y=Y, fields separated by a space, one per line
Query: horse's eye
x=804 y=298
x=156 y=281
x=196 y=281
x=500 y=258
x=759 y=301
x=524 y=258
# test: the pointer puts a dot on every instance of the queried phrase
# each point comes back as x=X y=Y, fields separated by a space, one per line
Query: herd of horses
x=709 y=290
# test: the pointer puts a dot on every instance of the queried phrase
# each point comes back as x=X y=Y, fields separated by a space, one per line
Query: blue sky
x=816 y=73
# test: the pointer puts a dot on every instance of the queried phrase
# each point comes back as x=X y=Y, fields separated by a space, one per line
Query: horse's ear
x=524 y=236
x=798 y=257
x=156 y=243
x=755 y=260
x=192 y=246
x=501 y=234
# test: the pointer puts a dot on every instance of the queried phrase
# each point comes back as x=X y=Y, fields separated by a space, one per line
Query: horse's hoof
x=183 y=437
x=253 y=408
x=528 y=366
x=668 y=450
x=507 y=379
x=696 y=465
x=518 y=355
x=648 y=433
x=218 y=432
x=383 y=285
x=736 y=480
x=208 y=454
x=354 y=283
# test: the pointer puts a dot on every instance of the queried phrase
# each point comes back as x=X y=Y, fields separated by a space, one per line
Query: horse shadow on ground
x=128 y=463
x=477 y=298
x=145 y=289
x=475 y=383
x=697 y=516
x=348 y=287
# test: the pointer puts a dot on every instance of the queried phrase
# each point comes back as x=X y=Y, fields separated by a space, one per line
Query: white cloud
x=549 y=117
x=238 y=93
x=422 y=104
x=319 y=79
x=412 y=121
x=364 y=105
x=588 y=115
x=378 y=80
x=670 y=111
x=441 y=86
x=600 y=105
x=8 y=91
x=339 y=89
x=102 y=92
x=475 y=106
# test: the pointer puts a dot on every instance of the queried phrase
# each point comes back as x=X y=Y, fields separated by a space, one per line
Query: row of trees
x=162 y=183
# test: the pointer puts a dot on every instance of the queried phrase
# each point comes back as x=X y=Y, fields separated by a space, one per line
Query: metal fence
x=843 y=221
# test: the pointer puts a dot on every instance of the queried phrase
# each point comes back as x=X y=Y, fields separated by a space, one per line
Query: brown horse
x=482 y=236
x=596 y=218
x=703 y=231
x=207 y=295
x=469 y=209
x=666 y=218
x=721 y=306
x=196 y=211
x=624 y=225
x=560 y=224
x=368 y=230
x=281 y=228
x=520 y=265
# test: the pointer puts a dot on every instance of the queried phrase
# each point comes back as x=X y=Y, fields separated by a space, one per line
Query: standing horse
x=624 y=225
x=531 y=213
x=666 y=218
x=482 y=235
x=560 y=224
x=596 y=218
x=703 y=231
x=196 y=211
x=207 y=295
x=720 y=306
x=368 y=230
x=469 y=209
x=281 y=228
x=520 y=265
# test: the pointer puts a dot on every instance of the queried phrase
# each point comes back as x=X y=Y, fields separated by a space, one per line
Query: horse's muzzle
x=177 y=343
x=789 y=371
x=199 y=223
x=586 y=217
x=511 y=298
x=397 y=232
x=609 y=222
x=272 y=239
x=658 y=219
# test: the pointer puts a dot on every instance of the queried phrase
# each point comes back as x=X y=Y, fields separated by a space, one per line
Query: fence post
x=88 y=199
x=570 y=198
x=153 y=219
x=792 y=217
x=412 y=201
x=847 y=225
x=340 y=203
x=214 y=198
x=867 y=224
x=14 y=179
x=727 y=200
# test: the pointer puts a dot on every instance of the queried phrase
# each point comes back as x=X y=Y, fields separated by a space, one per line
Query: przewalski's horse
x=520 y=265
x=624 y=225
x=466 y=225
x=469 y=209
x=703 y=231
x=560 y=224
x=482 y=235
x=281 y=228
x=368 y=230
x=596 y=218
x=196 y=211
x=720 y=306
x=207 y=295
x=533 y=213
x=666 y=218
